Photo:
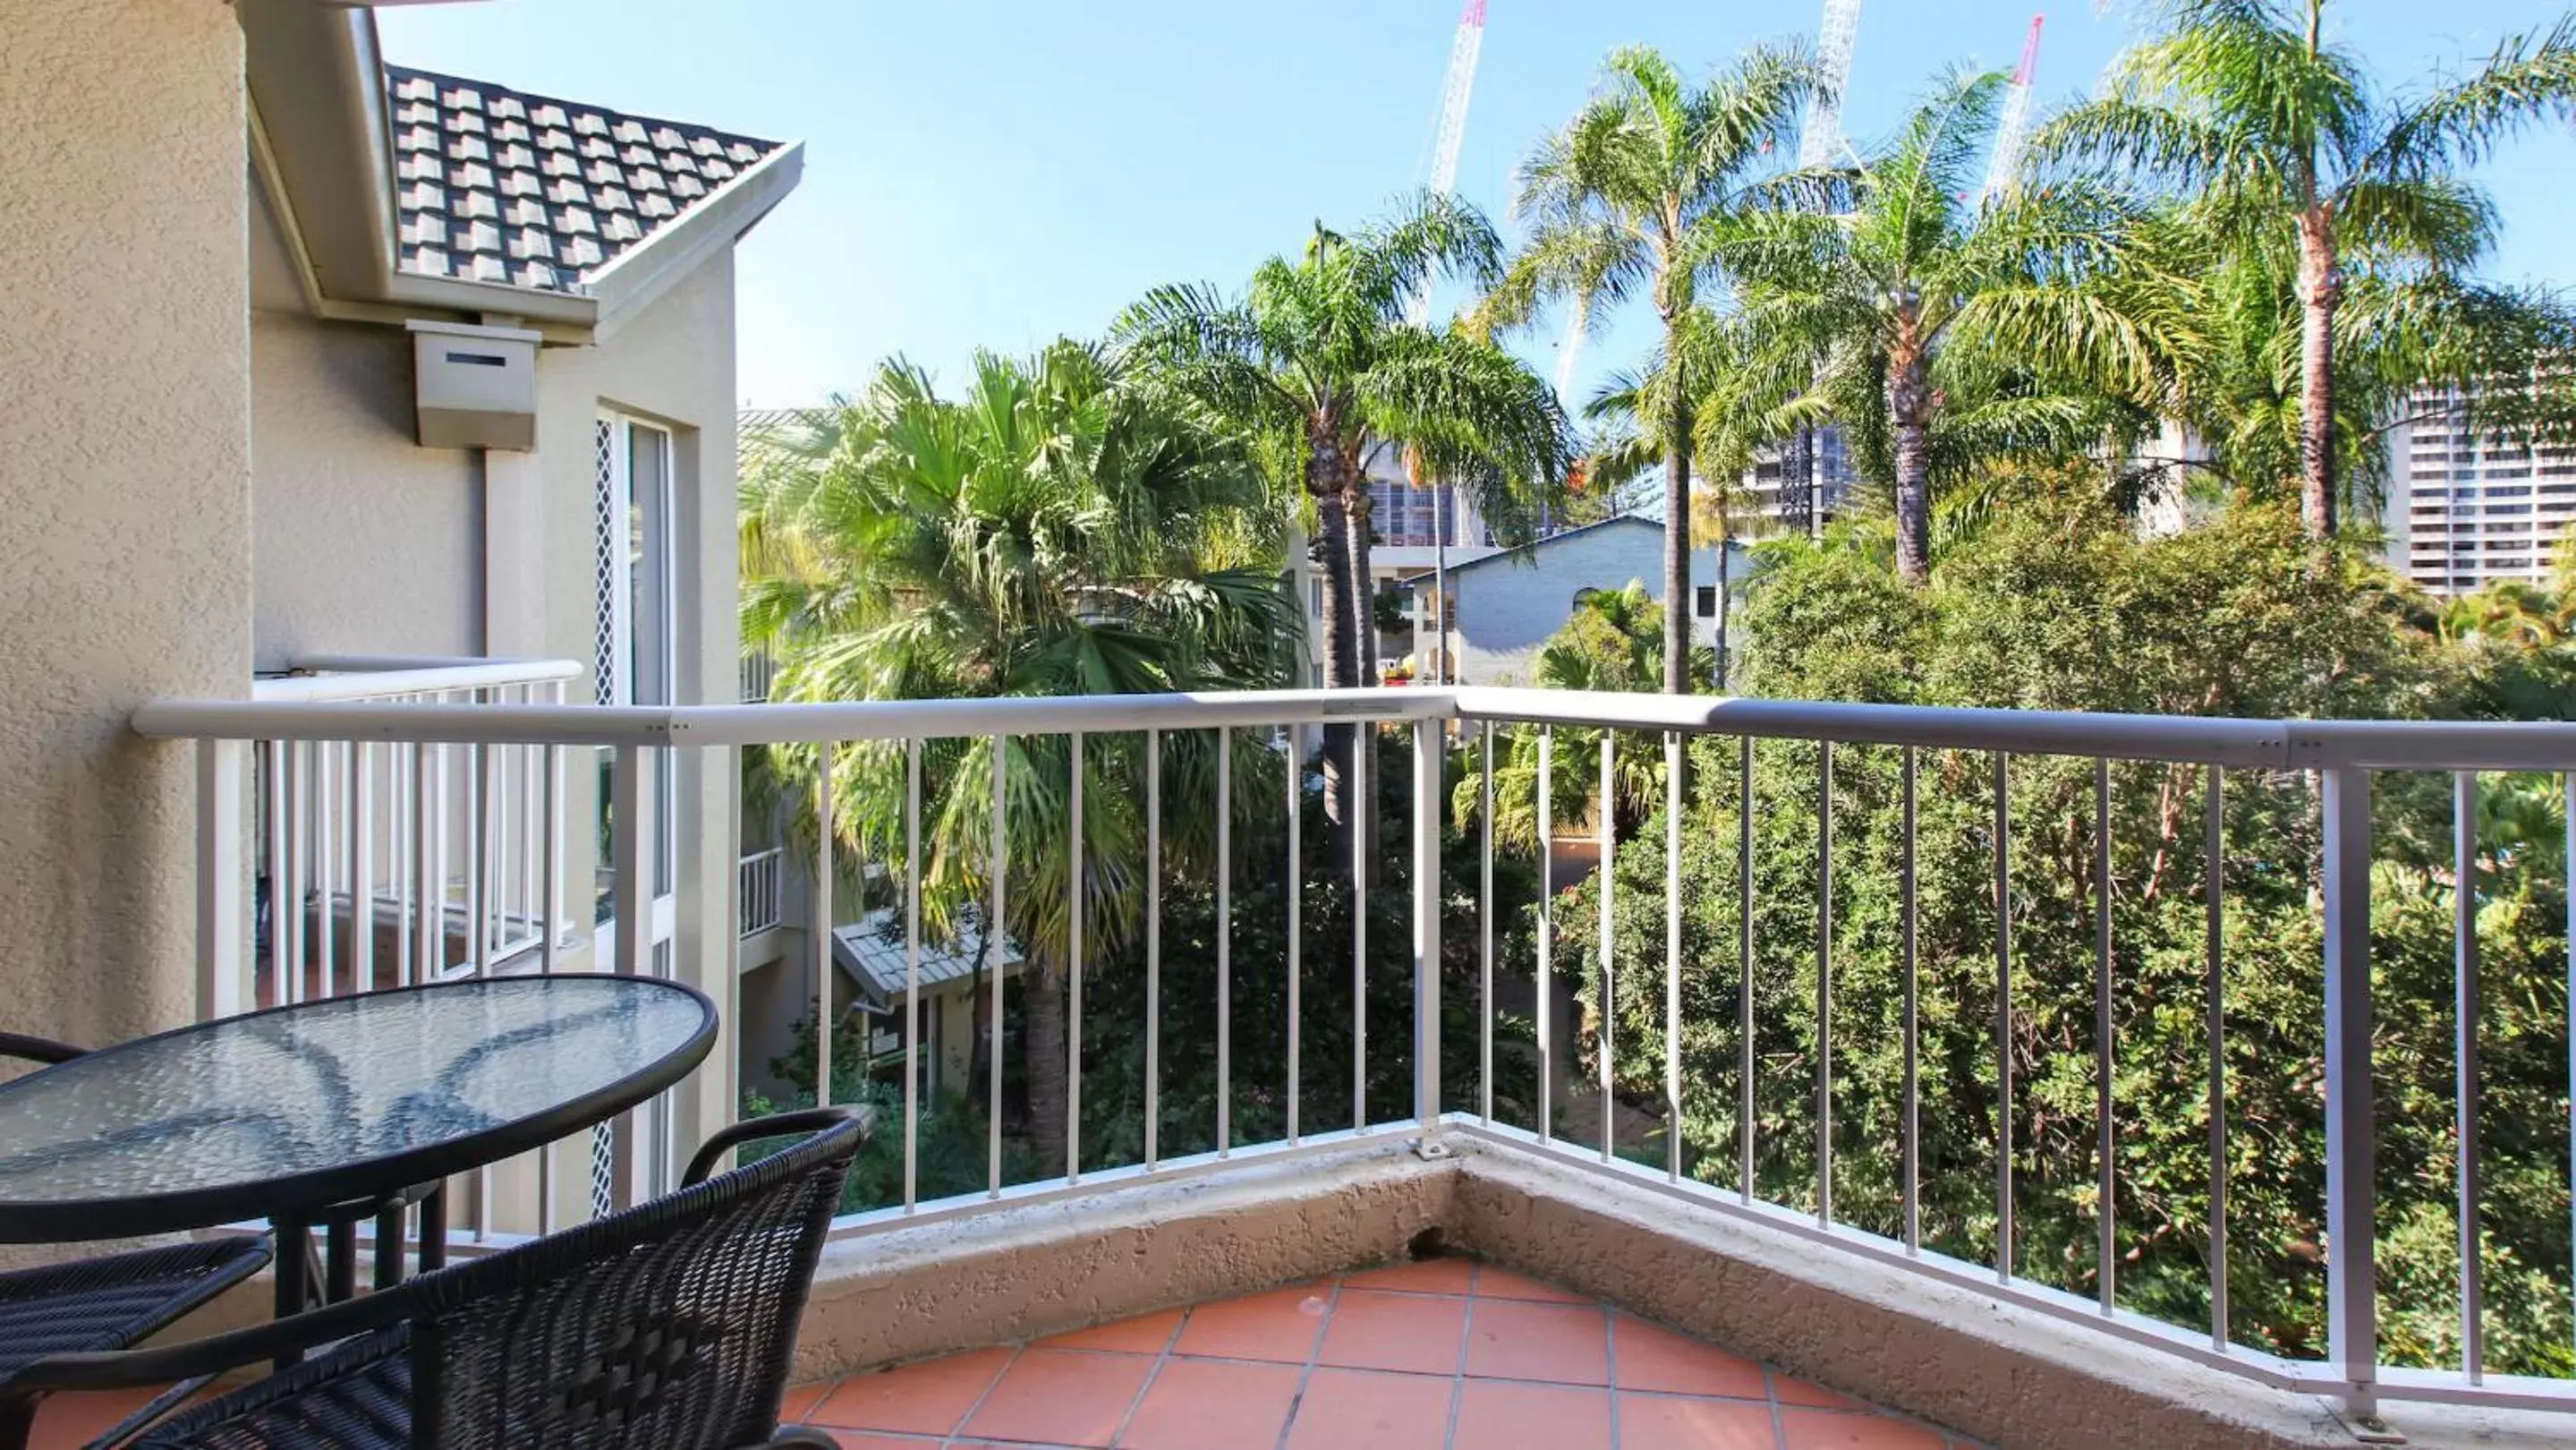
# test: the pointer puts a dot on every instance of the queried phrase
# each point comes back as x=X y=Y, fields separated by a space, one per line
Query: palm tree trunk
x=1044 y=1026
x=1677 y=555
x=1363 y=509
x=2320 y=292
x=1798 y=484
x=1724 y=558
x=1341 y=634
x=1909 y=407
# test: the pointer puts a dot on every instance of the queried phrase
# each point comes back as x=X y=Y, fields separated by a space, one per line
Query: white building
x=1505 y=604
x=2467 y=509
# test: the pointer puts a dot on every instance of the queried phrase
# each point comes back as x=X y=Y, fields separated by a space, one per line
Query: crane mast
x=1456 y=91
x=1822 y=136
x=1818 y=141
x=2012 y=130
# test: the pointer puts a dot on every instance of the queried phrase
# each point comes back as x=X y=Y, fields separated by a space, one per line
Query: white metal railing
x=379 y=863
x=2341 y=757
x=763 y=890
x=759 y=674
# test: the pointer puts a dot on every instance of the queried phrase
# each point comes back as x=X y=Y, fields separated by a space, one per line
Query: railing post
x=223 y=880
x=1429 y=743
x=634 y=914
x=2352 y=1300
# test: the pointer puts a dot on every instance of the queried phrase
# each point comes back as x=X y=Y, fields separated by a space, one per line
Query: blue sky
x=993 y=173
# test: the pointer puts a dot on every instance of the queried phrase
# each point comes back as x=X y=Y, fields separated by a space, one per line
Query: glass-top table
x=292 y=1112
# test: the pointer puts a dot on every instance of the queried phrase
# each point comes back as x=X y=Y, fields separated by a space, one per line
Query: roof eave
x=643 y=272
x=321 y=138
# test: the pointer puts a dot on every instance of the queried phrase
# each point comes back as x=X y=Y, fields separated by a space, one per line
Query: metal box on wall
x=476 y=386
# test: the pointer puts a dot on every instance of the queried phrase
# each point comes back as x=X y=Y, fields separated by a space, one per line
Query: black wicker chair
x=671 y=1326
x=109 y=1303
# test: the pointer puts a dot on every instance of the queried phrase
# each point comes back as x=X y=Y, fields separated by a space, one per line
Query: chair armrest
x=216 y=1353
x=38 y=1049
x=802 y=1122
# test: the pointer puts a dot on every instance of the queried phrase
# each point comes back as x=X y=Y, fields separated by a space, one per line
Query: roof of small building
x=496 y=185
x=1523 y=553
x=872 y=950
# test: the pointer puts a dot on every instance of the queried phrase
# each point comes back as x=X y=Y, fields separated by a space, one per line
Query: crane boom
x=1822 y=136
x=2012 y=129
x=1455 y=93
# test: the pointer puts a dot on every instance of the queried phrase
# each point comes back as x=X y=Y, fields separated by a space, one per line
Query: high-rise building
x=1779 y=494
x=2466 y=508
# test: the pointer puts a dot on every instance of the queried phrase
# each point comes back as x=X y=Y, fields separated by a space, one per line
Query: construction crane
x=1818 y=143
x=1822 y=136
x=1457 y=89
x=2012 y=131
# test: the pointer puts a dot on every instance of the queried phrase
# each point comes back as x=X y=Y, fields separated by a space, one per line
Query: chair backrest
x=667 y=1327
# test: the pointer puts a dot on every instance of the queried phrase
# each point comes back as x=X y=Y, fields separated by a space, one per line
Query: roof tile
x=640 y=173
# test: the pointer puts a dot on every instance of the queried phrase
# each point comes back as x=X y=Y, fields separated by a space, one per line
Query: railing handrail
x=344 y=678
x=2268 y=744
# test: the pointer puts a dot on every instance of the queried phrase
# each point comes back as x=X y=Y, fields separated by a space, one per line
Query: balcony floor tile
x=1446 y=1354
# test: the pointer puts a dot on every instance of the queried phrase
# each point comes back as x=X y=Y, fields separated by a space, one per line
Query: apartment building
x=2466 y=508
x=1786 y=502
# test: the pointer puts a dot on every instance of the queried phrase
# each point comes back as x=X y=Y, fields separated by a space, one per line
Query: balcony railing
x=1969 y=749
x=759 y=674
x=399 y=860
x=763 y=890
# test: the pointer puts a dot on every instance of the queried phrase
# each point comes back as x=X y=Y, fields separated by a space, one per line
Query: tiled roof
x=872 y=950
x=493 y=185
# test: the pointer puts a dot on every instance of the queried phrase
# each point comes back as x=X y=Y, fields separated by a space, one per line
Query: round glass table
x=291 y=1113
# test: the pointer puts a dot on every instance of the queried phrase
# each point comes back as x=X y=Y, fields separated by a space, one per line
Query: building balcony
x=1339 y=1170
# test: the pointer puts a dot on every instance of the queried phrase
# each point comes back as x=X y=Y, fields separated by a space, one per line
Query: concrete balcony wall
x=124 y=489
x=2007 y=1374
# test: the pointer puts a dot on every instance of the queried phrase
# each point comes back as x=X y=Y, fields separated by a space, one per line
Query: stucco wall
x=363 y=541
x=1508 y=607
x=368 y=543
x=124 y=488
x=670 y=363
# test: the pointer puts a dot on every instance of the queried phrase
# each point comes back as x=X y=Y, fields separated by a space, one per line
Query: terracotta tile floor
x=1442 y=1353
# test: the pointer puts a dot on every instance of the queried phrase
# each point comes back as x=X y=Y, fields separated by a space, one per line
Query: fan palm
x=2281 y=143
x=1619 y=202
x=1061 y=529
x=1938 y=329
x=1319 y=364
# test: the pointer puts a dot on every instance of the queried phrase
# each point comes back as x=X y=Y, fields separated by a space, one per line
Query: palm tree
x=1631 y=413
x=1938 y=329
x=1061 y=529
x=1319 y=365
x=2279 y=139
x=1622 y=201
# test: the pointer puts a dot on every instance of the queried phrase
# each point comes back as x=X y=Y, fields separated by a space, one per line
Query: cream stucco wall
x=124 y=488
x=670 y=363
x=362 y=541
x=367 y=543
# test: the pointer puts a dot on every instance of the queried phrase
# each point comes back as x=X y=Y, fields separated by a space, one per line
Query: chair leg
x=17 y=1421
x=798 y=1437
